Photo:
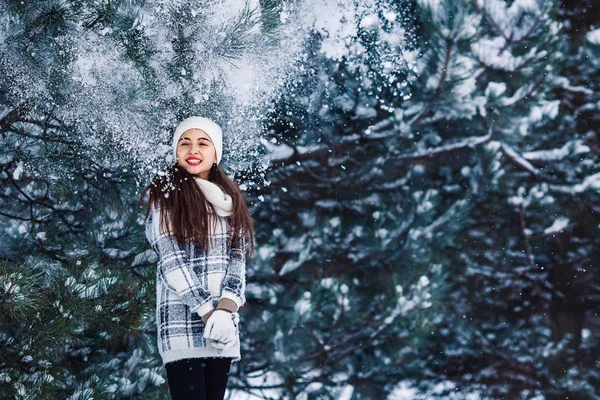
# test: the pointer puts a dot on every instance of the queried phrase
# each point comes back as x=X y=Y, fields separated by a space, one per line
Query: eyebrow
x=200 y=138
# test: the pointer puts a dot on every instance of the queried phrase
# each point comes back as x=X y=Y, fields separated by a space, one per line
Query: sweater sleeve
x=234 y=282
x=174 y=269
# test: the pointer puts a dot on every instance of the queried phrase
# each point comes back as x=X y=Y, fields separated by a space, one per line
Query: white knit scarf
x=213 y=193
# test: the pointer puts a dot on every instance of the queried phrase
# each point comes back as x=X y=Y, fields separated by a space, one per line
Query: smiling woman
x=196 y=153
x=198 y=225
x=198 y=138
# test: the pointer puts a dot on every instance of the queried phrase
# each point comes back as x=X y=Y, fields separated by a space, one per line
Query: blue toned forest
x=423 y=175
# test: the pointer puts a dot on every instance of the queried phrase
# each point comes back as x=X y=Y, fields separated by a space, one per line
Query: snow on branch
x=292 y=153
x=572 y=147
x=522 y=93
x=559 y=225
x=404 y=305
x=428 y=231
x=592 y=181
x=461 y=144
x=514 y=23
x=517 y=159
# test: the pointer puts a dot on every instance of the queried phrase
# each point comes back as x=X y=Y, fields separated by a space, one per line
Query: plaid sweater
x=189 y=284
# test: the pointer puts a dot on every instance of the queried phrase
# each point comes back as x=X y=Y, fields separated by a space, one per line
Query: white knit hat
x=212 y=129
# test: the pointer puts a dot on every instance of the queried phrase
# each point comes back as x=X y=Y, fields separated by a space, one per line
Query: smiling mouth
x=194 y=162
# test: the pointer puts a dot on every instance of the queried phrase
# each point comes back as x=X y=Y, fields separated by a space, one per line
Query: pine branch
x=14 y=115
x=458 y=145
x=518 y=160
x=592 y=181
x=448 y=54
x=21 y=132
x=238 y=37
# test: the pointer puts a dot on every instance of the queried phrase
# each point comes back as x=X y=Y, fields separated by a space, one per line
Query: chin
x=199 y=174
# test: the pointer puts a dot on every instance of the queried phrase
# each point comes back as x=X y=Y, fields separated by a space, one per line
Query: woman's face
x=196 y=153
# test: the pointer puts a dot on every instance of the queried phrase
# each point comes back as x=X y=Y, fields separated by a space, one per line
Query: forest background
x=424 y=178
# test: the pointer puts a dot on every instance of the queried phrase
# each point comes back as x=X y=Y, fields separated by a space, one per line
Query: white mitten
x=220 y=345
x=220 y=327
x=225 y=345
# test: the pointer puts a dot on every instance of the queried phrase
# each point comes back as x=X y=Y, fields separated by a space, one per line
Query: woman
x=199 y=225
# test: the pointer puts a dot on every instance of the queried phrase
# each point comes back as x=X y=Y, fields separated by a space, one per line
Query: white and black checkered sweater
x=189 y=284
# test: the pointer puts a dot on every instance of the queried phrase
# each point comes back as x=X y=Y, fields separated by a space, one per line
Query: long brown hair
x=188 y=210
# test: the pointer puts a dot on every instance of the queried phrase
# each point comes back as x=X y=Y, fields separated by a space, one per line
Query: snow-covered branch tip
x=470 y=142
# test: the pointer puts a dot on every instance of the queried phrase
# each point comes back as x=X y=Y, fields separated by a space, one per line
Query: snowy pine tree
x=347 y=293
x=89 y=94
x=520 y=290
x=465 y=164
x=428 y=218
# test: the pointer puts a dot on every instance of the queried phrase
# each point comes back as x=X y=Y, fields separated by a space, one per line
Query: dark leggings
x=198 y=378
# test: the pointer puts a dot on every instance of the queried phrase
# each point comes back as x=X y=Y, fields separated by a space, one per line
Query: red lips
x=194 y=159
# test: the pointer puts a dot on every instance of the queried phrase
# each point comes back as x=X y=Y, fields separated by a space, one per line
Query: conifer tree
x=481 y=178
x=428 y=216
x=87 y=90
x=344 y=274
